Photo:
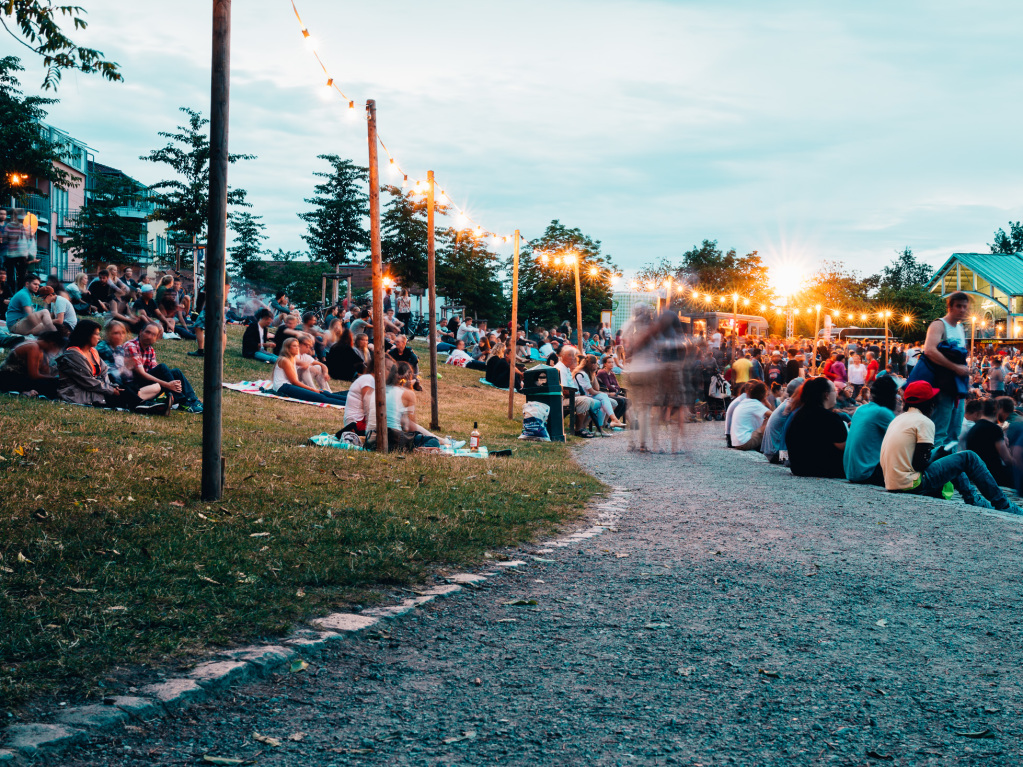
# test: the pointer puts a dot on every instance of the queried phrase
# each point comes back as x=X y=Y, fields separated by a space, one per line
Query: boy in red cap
x=906 y=456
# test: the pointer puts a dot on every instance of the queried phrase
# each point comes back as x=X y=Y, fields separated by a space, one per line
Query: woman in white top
x=857 y=372
x=286 y=381
x=586 y=381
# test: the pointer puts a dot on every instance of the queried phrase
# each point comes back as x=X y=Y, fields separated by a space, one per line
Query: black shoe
x=584 y=435
x=197 y=353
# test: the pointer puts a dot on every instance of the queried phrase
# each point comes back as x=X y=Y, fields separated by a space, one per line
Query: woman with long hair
x=816 y=434
x=343 y=363
x=287 y=383
x=586 y=380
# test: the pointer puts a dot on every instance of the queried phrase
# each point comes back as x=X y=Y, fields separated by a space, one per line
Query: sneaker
x=197 y=353
x=194 y=407
x=457 y=444
x=1012 y=509
x=172 y=336
x=584 y=435
x=158 y=406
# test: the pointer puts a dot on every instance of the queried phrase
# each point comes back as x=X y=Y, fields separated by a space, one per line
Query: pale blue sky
x=804 y=130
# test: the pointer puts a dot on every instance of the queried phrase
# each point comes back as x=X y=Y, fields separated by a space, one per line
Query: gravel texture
x=737 y=615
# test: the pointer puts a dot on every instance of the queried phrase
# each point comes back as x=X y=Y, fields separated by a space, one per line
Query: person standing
x=947 y=334
x=996 y=378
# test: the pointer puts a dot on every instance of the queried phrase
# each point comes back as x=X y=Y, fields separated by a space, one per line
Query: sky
x=806 y=131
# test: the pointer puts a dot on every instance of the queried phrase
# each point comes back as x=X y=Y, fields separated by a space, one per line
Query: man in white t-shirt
x=715 y=340
x=748 y=418
x=583 y=404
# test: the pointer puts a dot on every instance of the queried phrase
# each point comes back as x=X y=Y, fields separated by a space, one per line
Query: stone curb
x=40 y=741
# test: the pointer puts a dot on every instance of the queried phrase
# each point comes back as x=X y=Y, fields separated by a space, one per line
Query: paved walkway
x=738 y=615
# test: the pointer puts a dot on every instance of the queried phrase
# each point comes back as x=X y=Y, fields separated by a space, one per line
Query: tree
x=1008 y=243
x=467 y=275
x=37 y=22
x=24 y=152
x=100 y=234
x=706 y=267
x=547 y=291
x=292 y=272
x=247 y=248
x=905 y=271
x=184 y=202
x=404 y=237
x=337 y=232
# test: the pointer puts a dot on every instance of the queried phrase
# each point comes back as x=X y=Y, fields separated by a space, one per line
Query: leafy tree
x=404 y=237
x=24 y=151
x=1008 y=243
x=904 y=272
x=547 y=291
x=183 y=202
x=37 y=22
x=706 y=266
x=100 y=234
x=247 y=248
x=337 y=232
x=466 y=274
x=290 y=271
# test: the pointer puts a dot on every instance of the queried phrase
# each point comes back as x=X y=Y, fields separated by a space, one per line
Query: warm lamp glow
x=594 y=271
x=745 y=302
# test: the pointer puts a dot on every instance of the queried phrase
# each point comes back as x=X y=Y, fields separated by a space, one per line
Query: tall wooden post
x=216 y=256
x=735 y=322
x=578 y=307
x=514 y=327
x=816 y=330
x=887 y=349
x=379 y=375
x=431 y=283
x=973 y=339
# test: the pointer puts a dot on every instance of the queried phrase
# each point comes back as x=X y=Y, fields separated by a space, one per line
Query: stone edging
x=229 y=667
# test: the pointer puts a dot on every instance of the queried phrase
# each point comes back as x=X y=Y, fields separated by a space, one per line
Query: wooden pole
x=578 y=307
x=216 y=255
x=431 y=282
x=816 y=330
x=973 y=340
x=887 y=354
x=378 y=279
x=735 y=322
x=514 y=327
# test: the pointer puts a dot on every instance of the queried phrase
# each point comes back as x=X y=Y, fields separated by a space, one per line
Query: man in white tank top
x=949 y=408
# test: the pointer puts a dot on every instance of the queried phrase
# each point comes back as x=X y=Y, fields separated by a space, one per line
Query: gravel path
x=738 y=615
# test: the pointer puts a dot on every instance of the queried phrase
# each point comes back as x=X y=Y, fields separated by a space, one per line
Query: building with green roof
x=994 y=282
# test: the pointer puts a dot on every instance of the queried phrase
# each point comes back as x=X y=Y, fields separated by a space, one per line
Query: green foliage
x=292 y=272
x=404 y=237
x=1008 y=243
x=707 y=267
x=547 y=293
x=184 y=202
x=100 y=234
x=23 y=149
x=904 y=272
x=248 y=243
x=337 y=232
x=467 y=275
x=916 y=302
x=37 y=22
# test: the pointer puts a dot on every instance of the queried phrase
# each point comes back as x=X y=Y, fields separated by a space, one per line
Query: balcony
x=40 y=206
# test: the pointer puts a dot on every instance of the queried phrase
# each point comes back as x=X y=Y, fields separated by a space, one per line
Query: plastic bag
x=534 y=421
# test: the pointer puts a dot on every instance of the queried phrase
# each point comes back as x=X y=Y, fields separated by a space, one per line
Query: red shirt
x=872 y=368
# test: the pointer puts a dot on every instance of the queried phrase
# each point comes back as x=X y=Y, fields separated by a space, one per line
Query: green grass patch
x=109 y=560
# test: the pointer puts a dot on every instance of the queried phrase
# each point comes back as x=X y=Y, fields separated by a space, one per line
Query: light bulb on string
x=404 y=181
x=634 y=285
x=745 y=302
x=594 y=271
x=310 y=41
x=557 y=260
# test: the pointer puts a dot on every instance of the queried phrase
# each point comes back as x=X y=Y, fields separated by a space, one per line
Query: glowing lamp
x=593 y=271
x=557 y=260
x=818 y=307
x=634 y=285
x=745 y=302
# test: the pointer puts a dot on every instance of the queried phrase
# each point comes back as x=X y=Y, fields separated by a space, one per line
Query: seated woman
x=586 y=382
x=27 y=367
x=312 y=372
x=78 y=292
x=343 y=362
x=286 y=381
x=499 y=368
x=333 y=334
x=816 y=434
x=83 y=377
x=403 y=433
x=608 y=381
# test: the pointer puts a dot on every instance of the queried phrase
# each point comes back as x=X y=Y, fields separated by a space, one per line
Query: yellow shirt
x=908 y=430
x=741 y=367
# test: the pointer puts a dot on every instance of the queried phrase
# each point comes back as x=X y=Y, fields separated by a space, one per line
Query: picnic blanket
x=265 y=389
x=329 y=440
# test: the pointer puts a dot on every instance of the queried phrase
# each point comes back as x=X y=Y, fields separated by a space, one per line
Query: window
x=1000 y=297
x=965 y=278
x=950 y=284
x=983 y=286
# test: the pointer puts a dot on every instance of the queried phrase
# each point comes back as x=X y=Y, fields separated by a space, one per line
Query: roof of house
x=1003 y=270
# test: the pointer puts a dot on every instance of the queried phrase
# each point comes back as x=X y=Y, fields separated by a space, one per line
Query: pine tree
x=247 y=248
x=337 y=232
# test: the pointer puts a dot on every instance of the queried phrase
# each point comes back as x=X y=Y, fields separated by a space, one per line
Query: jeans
x=962 y=469
x=165 y=373
x=326 y=398
x=264 y=356
x=443 y=347
x=948 y=419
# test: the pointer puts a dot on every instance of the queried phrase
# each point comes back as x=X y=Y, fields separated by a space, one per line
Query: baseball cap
x=45 y=291
x=145 y=289
x=919 y=391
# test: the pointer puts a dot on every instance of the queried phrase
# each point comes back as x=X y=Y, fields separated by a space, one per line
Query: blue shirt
x=863 y=446
x=774 y=432
x=21 y=301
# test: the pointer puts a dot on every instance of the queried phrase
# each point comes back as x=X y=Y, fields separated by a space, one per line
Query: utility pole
x=378 y=280
x=514 y=327
x=431 y=282
x=216 y=256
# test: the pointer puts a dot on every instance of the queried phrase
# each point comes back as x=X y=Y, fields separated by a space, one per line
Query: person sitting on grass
x=773 y=444
x=749 y=419
x=311 y=370
x=27 y=368
x=255 y=345
x=460 y=357
x=140 y=356
x=280 y=306
x=62 y=311
x=310 y=328
x=360 y=400
x=111 y=351
x=144 y=306
x=287 y=329
x=83 y=376
x=78 y=291
x=870 y=422
x=24 y=317
x=288 y=383
x=585 y=374
x=906 y=457
x=817 y=435
x=499 y=368
x=343 y=363
x=405 y=401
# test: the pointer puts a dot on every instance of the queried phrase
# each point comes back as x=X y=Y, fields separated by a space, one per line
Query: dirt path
x=738 y=615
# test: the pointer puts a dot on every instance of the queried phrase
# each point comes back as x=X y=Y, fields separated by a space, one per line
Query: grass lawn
x=109 y=560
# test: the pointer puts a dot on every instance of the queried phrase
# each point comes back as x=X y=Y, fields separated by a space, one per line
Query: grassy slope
x=129 y=566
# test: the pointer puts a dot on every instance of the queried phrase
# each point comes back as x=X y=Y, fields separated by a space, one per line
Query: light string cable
x=419 y=186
